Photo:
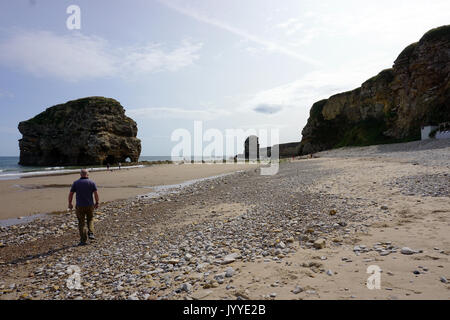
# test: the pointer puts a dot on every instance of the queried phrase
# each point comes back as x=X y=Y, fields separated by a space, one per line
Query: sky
x=232 y=64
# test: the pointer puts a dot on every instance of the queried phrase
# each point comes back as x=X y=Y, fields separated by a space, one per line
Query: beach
x=309 y=232
x=46 y=194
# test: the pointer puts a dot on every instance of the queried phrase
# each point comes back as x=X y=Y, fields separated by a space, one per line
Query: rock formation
x=390 y=107
x=88 y=131
x=251 y=148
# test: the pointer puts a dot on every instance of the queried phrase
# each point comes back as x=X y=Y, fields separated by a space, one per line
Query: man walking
x=84 y=188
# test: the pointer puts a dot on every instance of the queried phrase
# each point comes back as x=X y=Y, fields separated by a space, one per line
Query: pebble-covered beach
x=204 y=240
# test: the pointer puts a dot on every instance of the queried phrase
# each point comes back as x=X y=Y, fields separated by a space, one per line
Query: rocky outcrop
x=88 y=131
x=390 y=107
x=285 y=150
x=251 y=148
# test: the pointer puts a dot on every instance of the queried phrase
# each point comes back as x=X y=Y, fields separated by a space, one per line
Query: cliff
x=87 y=131
x=390 y=107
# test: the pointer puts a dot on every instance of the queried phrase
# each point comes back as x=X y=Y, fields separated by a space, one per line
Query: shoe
x=91 y=236
x=82 y=243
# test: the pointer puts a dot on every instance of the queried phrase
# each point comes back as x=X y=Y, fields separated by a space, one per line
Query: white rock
x=186 y=287
x=230 y=258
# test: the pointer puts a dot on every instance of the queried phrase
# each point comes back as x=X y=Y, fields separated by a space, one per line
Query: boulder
x=88 y=131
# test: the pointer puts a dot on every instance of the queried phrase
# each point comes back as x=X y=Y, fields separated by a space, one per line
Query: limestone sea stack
x=390 y=107
x=88 y=131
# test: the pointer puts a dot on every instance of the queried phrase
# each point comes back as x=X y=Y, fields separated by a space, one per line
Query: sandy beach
x=47 y=194
x=309 y=232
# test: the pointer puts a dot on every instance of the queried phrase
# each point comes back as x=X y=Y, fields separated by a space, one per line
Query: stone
x=443 y=280
x=297 y=290
x=173 y=261
x=201 y=294
x=230 y=258
x=329 y=272
x=229 y=272
x=407 y=251
x=96 y=129
x=319 y=244
x=332 y=212
x=133 y=296
x=186 y=287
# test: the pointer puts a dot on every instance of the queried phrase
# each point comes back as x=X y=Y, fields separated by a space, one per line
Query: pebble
x=297 y=290
x=443 y=280
x=186 y=287
x=229 y=272
x=133 y=296
x=230 y=258
x=98 y=292
x=408 y=251
x=319 y=244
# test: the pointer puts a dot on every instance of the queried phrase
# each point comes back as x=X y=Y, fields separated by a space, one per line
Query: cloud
x=312 y=87
x=6 y=94
x=291 y=26
x=268 y=109
x=177 y=113
x=152 y=58
x=75 y=57
x=268 y=45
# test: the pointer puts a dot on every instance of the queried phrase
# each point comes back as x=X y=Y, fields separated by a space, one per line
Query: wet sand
x=46 y=194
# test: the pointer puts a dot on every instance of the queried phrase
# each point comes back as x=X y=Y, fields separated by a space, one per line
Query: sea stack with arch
x=88 y=131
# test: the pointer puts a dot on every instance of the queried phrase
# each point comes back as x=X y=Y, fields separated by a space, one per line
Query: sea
x=10 y=169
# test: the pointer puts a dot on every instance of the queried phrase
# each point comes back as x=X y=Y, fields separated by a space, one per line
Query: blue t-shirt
x=84 y=188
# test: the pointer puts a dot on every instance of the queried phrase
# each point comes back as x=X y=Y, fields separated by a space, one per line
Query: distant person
x=107 y=166
x=84 y=188
x=120 y=165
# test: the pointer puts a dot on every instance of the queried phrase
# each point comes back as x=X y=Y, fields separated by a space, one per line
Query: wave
x=54 y=168
x=50 y=172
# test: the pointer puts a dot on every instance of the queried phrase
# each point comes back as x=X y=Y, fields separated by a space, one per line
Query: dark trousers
x=85 y=214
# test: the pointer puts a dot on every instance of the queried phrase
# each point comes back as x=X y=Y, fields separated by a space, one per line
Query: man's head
x=84 y=173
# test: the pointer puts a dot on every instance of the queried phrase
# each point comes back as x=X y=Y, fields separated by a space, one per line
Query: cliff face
x=390 y=107
x=87 y=131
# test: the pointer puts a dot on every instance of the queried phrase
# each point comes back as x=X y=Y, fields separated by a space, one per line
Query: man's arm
x=96 y=199
x=70 y=200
